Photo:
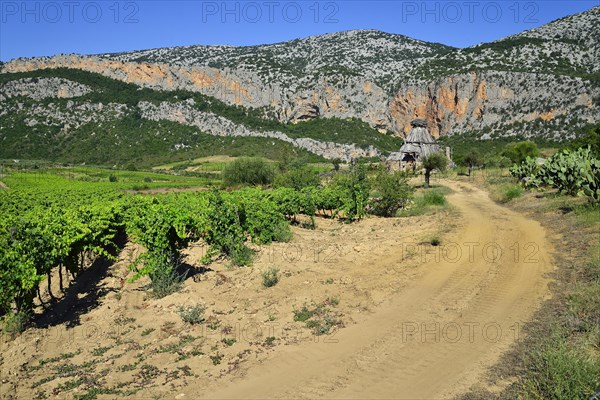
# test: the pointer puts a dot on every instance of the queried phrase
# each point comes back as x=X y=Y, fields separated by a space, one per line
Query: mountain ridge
x=539 y=83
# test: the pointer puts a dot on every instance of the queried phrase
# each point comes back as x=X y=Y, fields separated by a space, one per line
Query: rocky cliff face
x=476 y=101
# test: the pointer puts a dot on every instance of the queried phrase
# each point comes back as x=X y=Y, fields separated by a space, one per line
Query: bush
x=192 y=315
x=298 y=178
x=282 y=232
x=248 y=171
x=165 y=280
x=15 y=323
x=354 y=190
x=394 y=193
x=113 y=178
x=510 y=192
x=518 y=152
x=270 y=277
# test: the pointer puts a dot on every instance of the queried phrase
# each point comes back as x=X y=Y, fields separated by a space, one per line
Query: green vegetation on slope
x=134 y=139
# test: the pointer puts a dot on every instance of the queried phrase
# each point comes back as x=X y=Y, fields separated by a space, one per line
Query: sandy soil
x=405 y=319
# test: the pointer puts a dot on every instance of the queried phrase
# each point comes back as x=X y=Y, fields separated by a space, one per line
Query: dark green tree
x=472 y=159
x=434 y=161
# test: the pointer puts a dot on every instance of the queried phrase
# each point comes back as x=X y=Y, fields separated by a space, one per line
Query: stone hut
x=419 y=143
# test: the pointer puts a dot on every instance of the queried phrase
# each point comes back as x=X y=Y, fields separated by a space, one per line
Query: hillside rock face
x=474 y=101
x=538 y=83
x=41 y=88
x=185 y=114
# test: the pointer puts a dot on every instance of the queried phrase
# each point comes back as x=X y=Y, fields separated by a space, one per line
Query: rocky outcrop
x=243 y=89
x=184 y=113
x=305 y=111
x=67 y=117
x=41 y=88
x=476 y=101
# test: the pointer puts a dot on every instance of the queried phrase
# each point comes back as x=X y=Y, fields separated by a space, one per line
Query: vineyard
x=64 y=225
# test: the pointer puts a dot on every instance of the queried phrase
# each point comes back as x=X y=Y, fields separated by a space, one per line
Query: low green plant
x=510 y=192
x=303 y=314
x=15 y=323
x=147 y=331
x=270 y=277
x=165 y=281
x=270 y=341
x=558 y=371
x=100 y=351
x=228 y=341
x=433 y=198
x=192 y=314
x=216 y=358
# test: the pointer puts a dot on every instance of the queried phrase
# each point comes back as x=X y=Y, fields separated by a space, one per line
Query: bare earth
x=413 y=320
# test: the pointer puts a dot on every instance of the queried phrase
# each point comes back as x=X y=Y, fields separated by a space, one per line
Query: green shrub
x=192 y=315
x=393 y=191
x=282 y=232
x=165 y=280
x=510 y=192
x=303 y=314
x=248 y=171
x=270 y=277
x=354 y=191
x=298 y=178
x=15 y=323
x=113 y=178
x=518 y=152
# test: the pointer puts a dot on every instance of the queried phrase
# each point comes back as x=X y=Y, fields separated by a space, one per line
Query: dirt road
x=434 y=339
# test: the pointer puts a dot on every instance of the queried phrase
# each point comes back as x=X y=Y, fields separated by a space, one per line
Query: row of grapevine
x=571 y=172
x=35 y=237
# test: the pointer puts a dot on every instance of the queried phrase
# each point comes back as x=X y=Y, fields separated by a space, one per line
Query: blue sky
x=42 y=28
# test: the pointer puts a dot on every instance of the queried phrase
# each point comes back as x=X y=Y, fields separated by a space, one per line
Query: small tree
x=472 y=159
x=336 y=164
x=248 y=171
x=434 y=161
x=518 y=152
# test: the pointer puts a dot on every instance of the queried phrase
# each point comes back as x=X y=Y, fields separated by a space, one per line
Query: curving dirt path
x=434 y=339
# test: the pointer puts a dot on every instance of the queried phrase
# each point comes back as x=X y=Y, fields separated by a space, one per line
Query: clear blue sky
x=41 y=28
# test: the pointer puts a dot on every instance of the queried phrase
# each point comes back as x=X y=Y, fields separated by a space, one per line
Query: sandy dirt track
x=435 y=338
